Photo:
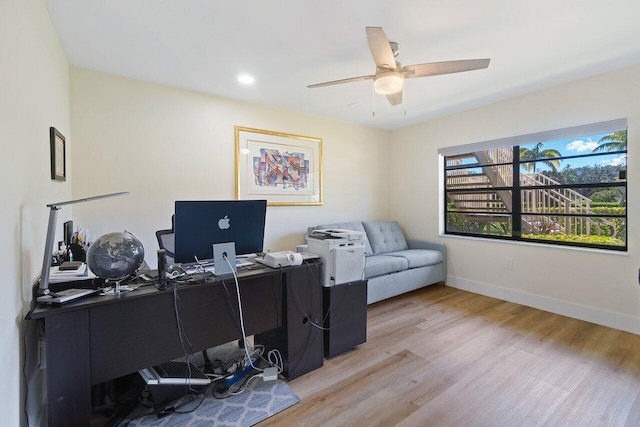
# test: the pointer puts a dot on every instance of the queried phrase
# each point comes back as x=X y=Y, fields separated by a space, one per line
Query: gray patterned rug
x=259 y=401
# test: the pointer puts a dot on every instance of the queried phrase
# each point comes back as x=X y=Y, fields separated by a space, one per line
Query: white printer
x=342 y=254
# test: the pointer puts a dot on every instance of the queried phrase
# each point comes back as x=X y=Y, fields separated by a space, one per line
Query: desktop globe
x=115 y=256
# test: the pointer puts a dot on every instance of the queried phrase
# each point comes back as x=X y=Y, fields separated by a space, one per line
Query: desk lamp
x=43 y=289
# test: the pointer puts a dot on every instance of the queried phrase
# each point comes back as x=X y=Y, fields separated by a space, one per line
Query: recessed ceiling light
x=246 y=79
x=353 y=105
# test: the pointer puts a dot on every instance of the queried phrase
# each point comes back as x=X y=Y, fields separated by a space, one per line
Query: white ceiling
x=202 y=45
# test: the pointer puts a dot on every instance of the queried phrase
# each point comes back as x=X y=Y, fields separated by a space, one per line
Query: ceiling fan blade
x=339 y=82
x=380 y=48
x=395 y=98
x=446 y=67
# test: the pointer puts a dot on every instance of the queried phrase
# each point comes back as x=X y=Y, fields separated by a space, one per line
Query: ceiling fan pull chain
x=373 y=102
x=404 y=101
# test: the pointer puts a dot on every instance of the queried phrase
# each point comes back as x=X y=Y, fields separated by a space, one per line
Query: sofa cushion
x=354 y=226
x=382 y=264
x=385 y=236
x=419 y=257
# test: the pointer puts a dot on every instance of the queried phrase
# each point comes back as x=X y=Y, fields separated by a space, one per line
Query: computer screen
x=202 y=223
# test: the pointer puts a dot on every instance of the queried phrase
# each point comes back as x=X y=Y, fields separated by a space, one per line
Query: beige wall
x=34 y=95
x=596 y=286
x=165 y=144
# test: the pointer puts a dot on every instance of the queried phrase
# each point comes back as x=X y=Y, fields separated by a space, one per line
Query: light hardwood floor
x=444 y=357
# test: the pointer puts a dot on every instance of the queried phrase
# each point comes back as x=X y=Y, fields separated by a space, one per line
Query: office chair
x=166 y=241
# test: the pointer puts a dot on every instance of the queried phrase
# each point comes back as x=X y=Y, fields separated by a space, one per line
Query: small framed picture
x=58 y=155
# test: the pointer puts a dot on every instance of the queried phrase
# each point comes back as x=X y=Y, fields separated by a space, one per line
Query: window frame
x=516 y=188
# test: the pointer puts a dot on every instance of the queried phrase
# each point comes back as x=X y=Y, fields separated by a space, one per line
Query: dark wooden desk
x=101 y=338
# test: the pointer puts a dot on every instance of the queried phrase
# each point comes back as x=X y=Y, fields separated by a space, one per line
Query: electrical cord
x=298 y=305
x=175 y=410
x=234 y=371
x=243 y=386
x=223 y=391
x=273 y=359
x=184 y=278
x=183 y=337
x=234 y=365
x=277 y=362
x=242 y=328
x=241 y=315
x=301 y=310
x=304 y=352
x=24 y=372
x=200 y=266
x=233 y=312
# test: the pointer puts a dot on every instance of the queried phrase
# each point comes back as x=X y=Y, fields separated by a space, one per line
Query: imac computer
x=201 y=224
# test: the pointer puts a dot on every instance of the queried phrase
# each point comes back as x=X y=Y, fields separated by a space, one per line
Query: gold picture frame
x=283 y=168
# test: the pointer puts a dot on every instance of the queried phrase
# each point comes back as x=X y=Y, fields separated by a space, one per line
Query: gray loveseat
x=393 y=264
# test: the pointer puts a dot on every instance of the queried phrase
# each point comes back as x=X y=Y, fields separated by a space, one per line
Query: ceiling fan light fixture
x=388 y=82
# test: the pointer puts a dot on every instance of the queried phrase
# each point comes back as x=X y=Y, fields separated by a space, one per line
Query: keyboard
x=208 y=265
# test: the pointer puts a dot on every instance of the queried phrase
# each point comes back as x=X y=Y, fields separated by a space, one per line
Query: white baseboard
x=576 y=311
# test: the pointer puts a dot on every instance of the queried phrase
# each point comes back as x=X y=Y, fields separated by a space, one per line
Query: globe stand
x=118 y=289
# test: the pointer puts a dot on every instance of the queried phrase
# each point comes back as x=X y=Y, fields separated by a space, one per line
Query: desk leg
x=68 y=369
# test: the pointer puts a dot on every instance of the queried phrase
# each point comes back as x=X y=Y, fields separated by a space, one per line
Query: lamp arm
x=43 y=289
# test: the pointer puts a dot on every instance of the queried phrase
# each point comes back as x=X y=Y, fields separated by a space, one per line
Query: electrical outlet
x=508 y=263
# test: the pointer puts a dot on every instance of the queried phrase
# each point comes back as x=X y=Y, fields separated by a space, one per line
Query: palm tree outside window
x=529 y=157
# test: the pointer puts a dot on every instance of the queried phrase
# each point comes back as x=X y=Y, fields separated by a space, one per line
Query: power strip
x=231 y=381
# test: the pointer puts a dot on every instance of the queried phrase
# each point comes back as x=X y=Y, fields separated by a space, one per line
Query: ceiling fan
x=390 y=74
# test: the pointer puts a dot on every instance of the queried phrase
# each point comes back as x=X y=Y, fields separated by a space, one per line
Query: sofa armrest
x=434 y=246
x=423 y=244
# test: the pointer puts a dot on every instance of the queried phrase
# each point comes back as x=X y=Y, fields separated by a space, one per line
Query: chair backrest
x=166 y=241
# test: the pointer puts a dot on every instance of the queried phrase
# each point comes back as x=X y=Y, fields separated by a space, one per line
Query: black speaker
x=162 y=268
x=67 y=228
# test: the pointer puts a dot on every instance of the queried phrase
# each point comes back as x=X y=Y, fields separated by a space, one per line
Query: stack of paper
x=58 y=276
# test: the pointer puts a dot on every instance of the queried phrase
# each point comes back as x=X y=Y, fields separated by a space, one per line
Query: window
x=563 y=187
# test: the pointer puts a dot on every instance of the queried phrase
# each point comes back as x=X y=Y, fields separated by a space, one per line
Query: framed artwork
x=58 y=155
x=282 y=168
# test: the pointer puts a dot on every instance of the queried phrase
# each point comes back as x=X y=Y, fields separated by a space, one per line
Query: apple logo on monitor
x=224 y=223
